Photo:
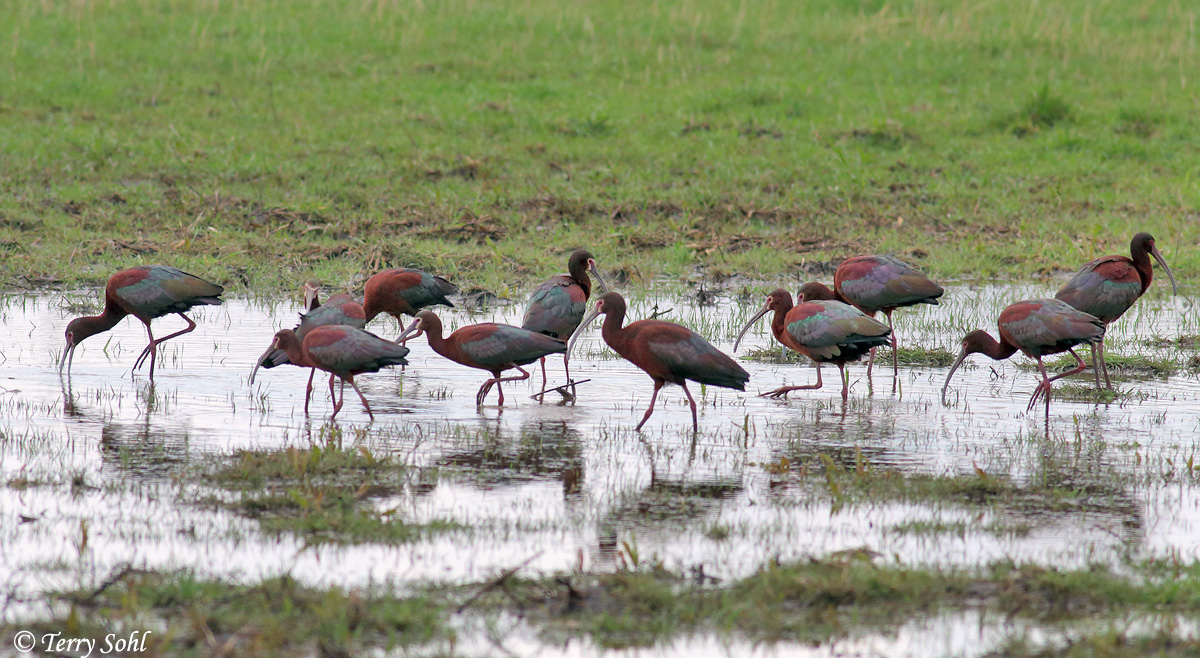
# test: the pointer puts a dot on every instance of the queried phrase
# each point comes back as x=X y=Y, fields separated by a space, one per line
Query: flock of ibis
x=835 y=325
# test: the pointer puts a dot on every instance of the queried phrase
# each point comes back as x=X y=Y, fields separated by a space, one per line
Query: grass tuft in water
x=323 y=494
x=192 y=615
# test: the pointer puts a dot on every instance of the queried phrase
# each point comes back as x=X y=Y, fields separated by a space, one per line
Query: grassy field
x=259 y=143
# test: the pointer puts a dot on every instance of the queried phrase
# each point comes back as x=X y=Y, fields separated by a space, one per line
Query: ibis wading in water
x=1037 y=327
x=826 y=331
x=669 y=353
x=340 y=309
x=557 y=306
x=489 y=346
x=340 y=350
x=1109 y=286
x=402 y=291
x=146 y=292
x=873 y=284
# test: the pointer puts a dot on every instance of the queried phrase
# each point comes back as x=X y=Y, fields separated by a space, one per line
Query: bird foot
x=1043 y=389
x=781 y=392
x=562 y=390
x=144 y=355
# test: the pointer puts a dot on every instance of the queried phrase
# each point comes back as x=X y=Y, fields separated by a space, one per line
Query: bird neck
x=614 y=320
x=986 y=345
x=579 y=275
x=370 y=310
x=439 y=344
x=86 y=327
x=1141 y=263
x=289 y=342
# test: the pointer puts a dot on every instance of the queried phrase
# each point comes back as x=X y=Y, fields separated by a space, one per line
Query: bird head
x=777 y=300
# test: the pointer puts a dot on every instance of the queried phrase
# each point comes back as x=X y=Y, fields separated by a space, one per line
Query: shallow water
x=714 y=501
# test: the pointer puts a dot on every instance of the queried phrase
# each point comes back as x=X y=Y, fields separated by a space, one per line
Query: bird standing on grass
x=145 y=292
x=669 y=353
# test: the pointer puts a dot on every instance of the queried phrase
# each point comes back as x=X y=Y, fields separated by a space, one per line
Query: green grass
x=259 y=144
x=816 y=601
x=320 y=494
x=812 y=601
x=189 y=615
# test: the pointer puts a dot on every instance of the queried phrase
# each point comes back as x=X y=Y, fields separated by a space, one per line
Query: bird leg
x=1044 y=387
x=483 y=391
x=695 y=424
x=657 y=386
x=895 y=343
x=308 y=391
x=1103 y=364
x=545 y=381
x=895 y=354
x=567 y=369
x=871 y=363
x=337 y=406
x=360 y=396
x=845 y=382
x=497 y=379
x=332 y=396
x=782 y=391
x=153 y=346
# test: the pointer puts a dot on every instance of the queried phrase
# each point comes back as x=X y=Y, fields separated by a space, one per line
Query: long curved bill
x=261 y=360
x=590 y=318
x=68 y=356
x=1170 y=275
x=409 y=332
x=761 y=312
x=957 y=362
x=599 y=279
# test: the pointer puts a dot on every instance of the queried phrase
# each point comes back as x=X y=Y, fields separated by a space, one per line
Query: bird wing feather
x=825 y=327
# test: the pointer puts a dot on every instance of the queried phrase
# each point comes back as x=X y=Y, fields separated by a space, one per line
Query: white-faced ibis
x=557 y=306
x=488 y=346
x=1109 y=286
x=342 y=351
x=825 y=331
x=873 y=284
x=146 y=292
x=340 y=309
x=669 y=353
x=312 y=294
x=1036 y=327
x=402 y=291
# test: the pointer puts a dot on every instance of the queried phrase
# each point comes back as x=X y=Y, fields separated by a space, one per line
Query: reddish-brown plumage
x=669 y=353
x=1036 y=327
x=558 y=305
x=145 y=292
x=1108 y=287
x=826 y=331
x=402 y=291
x=489 y=346
x=341 y=350
x=873 y=284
